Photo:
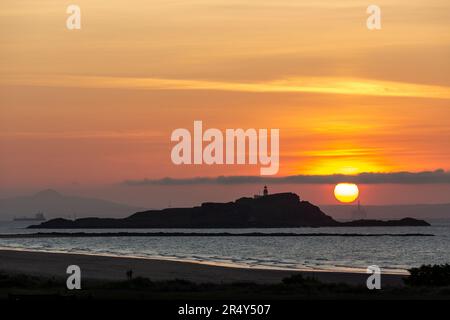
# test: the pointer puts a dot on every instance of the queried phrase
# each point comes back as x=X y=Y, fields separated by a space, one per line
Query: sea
x=348 y=249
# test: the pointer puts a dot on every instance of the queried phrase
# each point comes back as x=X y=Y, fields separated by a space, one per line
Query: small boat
x=37 y=217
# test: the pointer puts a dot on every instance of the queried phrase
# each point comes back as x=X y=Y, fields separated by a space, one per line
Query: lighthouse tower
x=265 y=192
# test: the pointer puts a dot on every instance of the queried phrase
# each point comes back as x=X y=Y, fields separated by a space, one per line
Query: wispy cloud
x=81 y=135
x=322 y=85
x=425 y=177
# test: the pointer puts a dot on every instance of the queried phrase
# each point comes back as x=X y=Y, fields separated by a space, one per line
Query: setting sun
x=346 y=192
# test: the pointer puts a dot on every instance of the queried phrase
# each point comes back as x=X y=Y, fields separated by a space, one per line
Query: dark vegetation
x=426 y=282
x=429 y=275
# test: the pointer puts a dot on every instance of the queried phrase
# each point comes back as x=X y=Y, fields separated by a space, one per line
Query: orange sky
x=96 y=106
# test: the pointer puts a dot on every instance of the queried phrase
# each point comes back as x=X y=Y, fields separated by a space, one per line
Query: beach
x=98 y=267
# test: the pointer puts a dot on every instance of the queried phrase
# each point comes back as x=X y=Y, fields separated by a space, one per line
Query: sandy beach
x=115 y=268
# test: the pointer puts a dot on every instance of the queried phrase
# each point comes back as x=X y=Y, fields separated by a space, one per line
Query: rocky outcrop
x=282 y=210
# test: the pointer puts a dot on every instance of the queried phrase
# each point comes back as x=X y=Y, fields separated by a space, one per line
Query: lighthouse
x=265 y=193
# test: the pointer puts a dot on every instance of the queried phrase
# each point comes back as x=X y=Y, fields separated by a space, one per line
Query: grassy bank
x=20 y=286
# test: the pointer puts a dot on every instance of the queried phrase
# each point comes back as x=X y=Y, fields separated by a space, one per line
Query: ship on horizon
x=37 y=217
x=359 y=213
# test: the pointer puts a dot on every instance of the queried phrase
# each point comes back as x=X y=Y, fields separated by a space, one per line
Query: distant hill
x=419 y=211
x=281 y=210
x=55 y=204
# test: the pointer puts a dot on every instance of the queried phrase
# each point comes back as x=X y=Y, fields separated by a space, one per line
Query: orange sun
x=346 y=192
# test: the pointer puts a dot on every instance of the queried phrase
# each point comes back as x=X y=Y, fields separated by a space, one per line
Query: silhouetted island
x=281 y=210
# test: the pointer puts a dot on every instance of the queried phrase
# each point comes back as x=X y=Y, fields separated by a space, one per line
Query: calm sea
x=393 y=254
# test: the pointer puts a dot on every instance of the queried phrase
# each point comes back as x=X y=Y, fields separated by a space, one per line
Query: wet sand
x=115 y=268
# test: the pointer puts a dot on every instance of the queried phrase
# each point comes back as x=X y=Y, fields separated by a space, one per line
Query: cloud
x=320 y=85
x=120 y=134
x=425 y=177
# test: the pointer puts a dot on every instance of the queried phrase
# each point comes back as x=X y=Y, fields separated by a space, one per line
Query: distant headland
x=281 y=210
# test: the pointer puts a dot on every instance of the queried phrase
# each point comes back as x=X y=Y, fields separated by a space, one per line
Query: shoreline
x=113 y=267
x=201 y=234
x=334 y=269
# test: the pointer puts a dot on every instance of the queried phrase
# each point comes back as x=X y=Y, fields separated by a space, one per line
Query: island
x=280 y=210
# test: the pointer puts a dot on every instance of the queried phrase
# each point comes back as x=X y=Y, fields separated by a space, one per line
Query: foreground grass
x=18 y=286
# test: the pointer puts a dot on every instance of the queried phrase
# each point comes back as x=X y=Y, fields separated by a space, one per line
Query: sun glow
x=346 y=192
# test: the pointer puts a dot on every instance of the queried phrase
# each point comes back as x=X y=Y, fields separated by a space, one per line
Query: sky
x=84 y=111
